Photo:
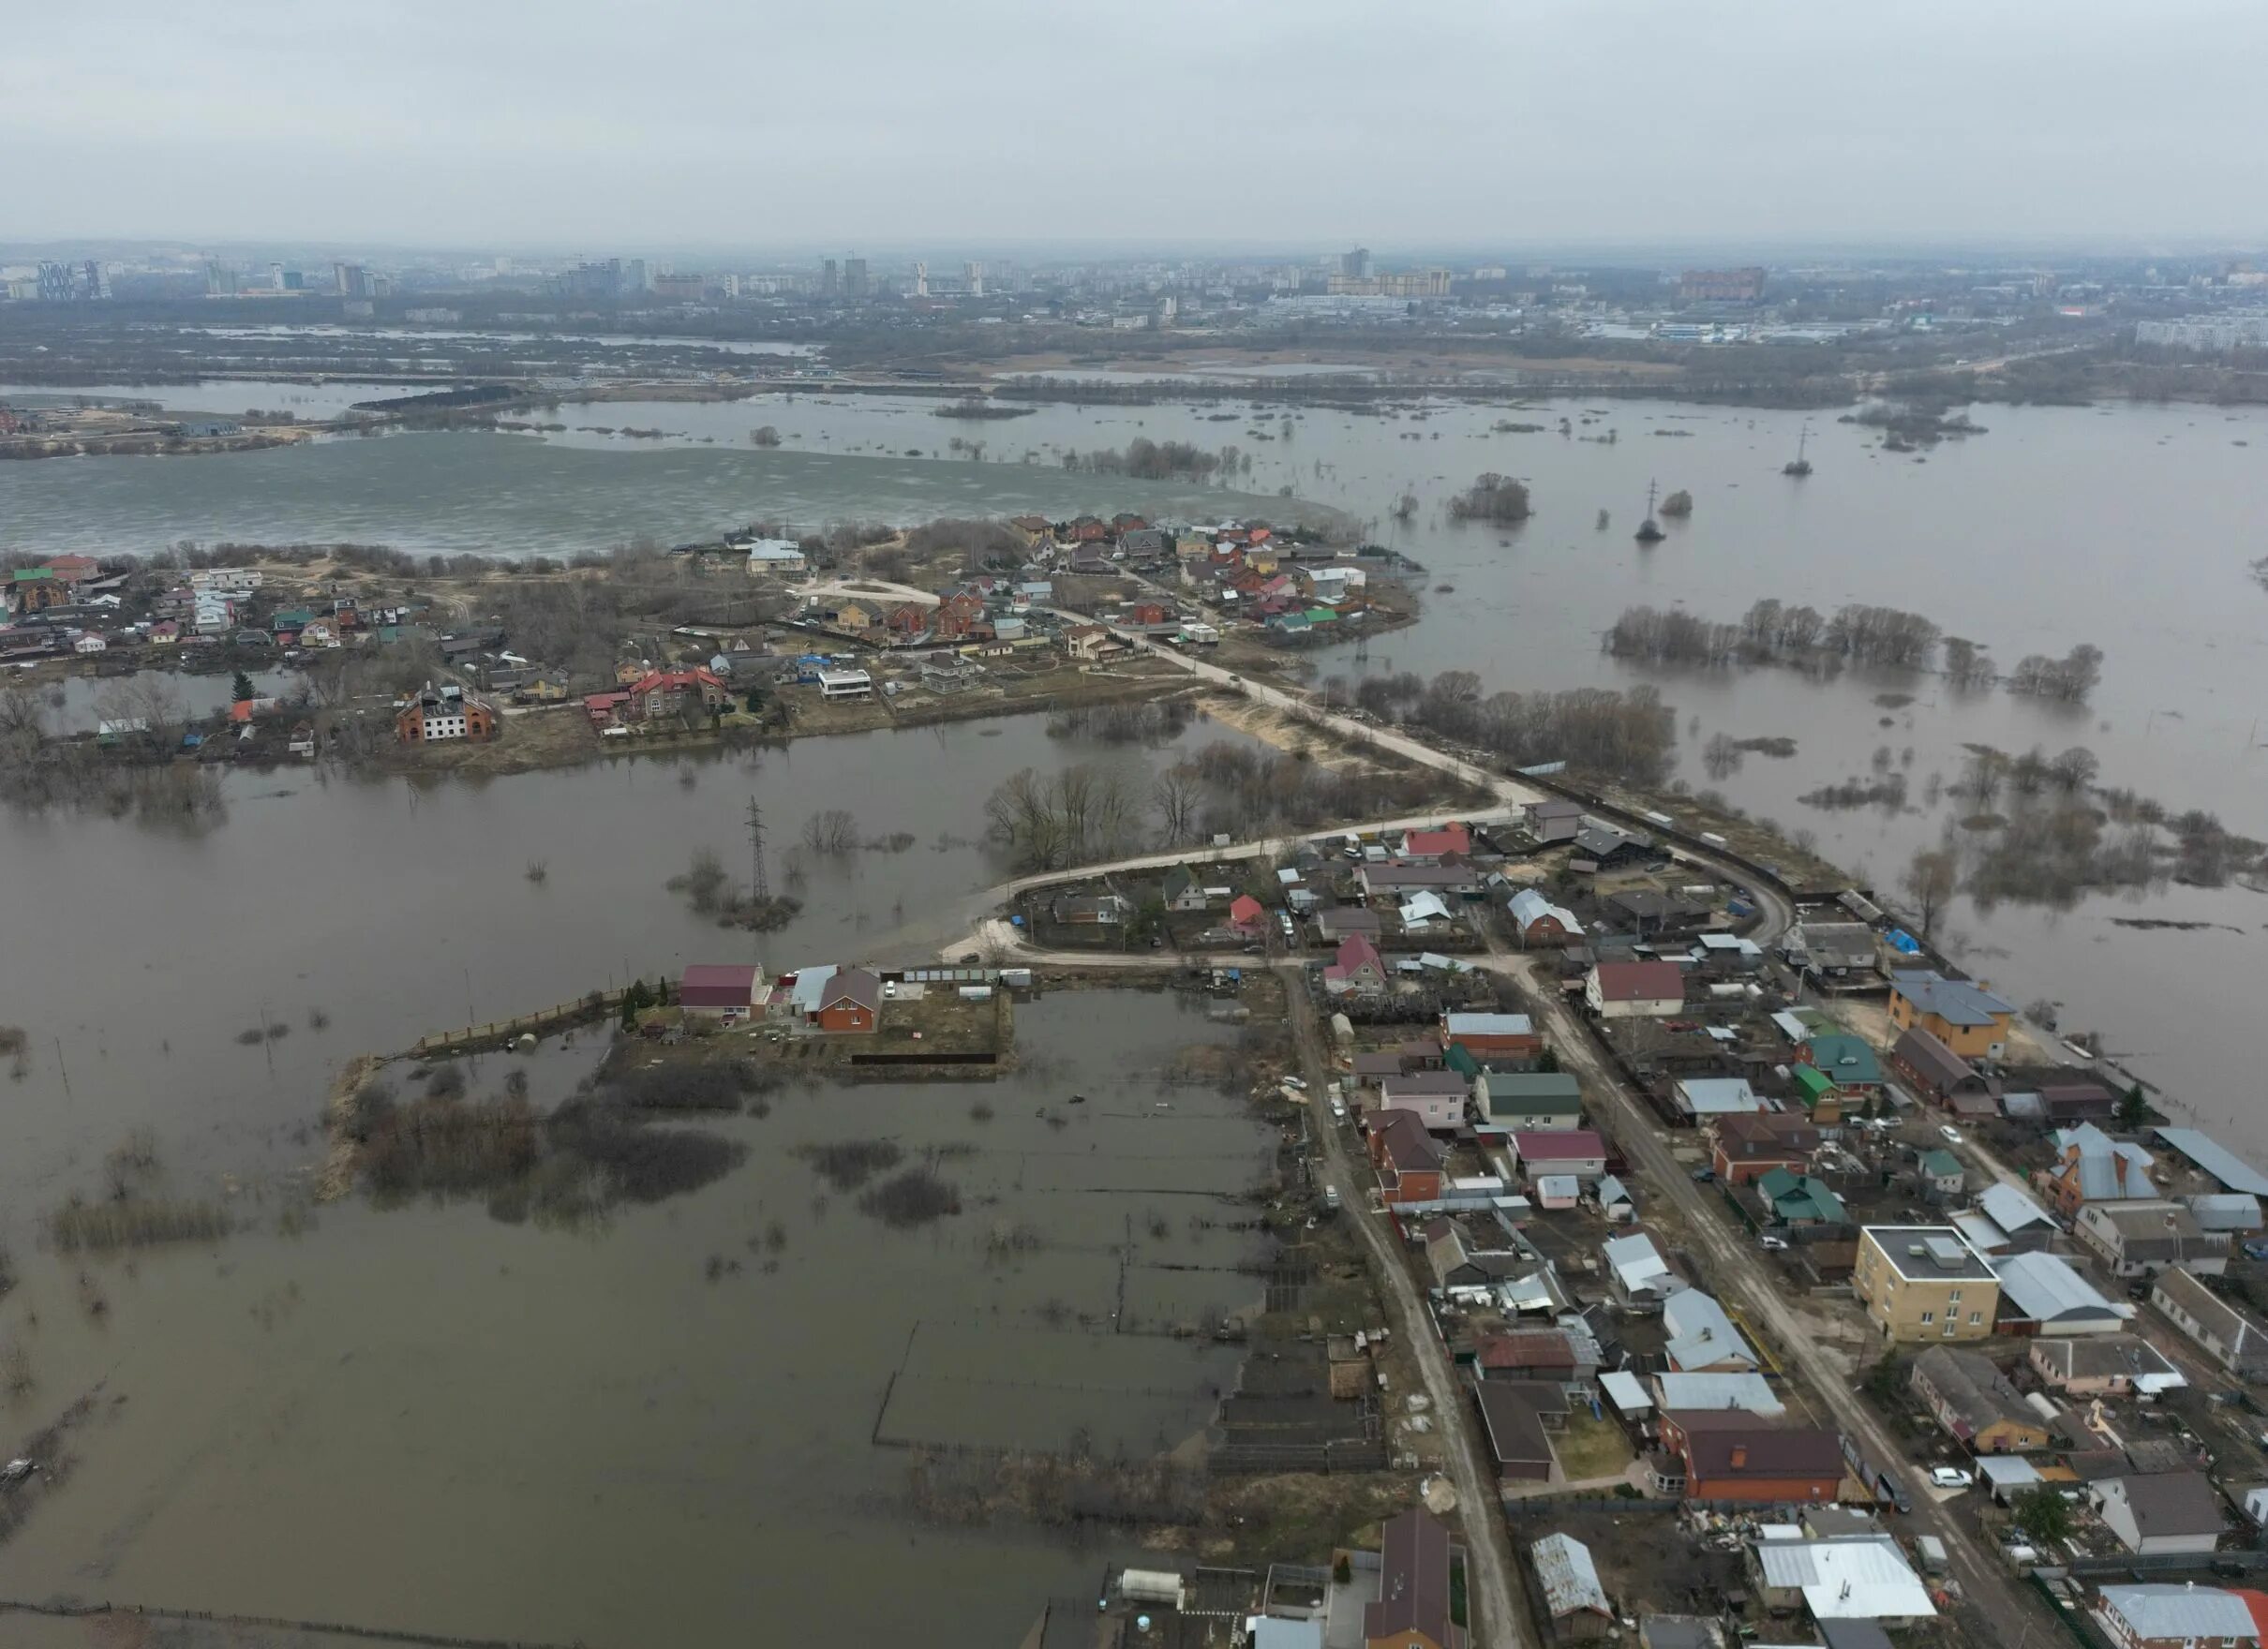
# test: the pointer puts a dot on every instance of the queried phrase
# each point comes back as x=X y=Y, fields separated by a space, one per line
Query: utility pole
x=759 y=886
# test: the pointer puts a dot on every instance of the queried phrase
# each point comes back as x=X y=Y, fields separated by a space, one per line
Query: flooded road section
x=692 y=1424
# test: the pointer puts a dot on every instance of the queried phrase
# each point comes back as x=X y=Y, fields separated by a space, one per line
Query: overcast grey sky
x=602 y=123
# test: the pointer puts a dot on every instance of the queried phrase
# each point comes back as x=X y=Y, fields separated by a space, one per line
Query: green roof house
x=1851 y=1061
x=1797 y=1199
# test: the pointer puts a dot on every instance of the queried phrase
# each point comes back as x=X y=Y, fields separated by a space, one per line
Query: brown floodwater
x=424 y=1419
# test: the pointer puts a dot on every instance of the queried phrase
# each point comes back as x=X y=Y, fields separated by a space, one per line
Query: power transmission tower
x=759 y=887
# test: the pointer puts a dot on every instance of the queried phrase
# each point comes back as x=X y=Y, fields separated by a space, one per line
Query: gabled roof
x=2046 y=1290
x=851 y=984
x=1640 y=981
x=1408 y=1147
x=1568 y=1576
x=1849 y=1059
x=1751 y=1393
x=1558 y=1145
x=2010 y=1208
x=2171 y=1503
x=2184 y=1611
x=1937 y=1062
x=1699 y=1332
x=1529 y=907
x=1764 y=1450
x=2217 y=1159
x=1414 y=1583
x=1355 y=952
x=1973 y=1390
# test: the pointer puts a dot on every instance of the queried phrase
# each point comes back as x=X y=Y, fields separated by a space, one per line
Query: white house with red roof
x=1430 y=847
x=1357 y=968
x=1635 y=990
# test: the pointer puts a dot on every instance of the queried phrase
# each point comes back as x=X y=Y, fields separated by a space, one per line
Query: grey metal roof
x=1956 y=1002
x=2217 y=1160
x=2010 y=1208
x=1570 y=1578
x=2181 y=1611
x=2045 y=1290
x=1751 y=1393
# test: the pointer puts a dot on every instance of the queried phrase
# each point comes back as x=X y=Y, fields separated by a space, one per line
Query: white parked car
x=1774 y=1244
x=1949 y=1134
x=1948 y=1477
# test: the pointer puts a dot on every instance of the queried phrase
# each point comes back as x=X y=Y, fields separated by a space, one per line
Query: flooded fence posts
x=588 y=1009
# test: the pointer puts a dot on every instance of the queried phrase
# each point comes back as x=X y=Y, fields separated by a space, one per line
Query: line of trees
x=1629 y=734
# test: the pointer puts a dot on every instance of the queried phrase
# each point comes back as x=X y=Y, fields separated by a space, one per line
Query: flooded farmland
x=694 y=1417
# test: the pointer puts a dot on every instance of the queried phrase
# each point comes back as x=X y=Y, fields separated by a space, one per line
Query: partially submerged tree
x=1931 y=880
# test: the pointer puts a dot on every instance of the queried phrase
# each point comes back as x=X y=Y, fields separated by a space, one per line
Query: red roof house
x=1409 y=1163
x=1358 y=967
x=1428 y=847
x=1625 y=991
x=1247 y=915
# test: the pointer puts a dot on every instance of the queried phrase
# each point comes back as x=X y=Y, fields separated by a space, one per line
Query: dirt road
x=1742 y=1279
x=1499 y=1619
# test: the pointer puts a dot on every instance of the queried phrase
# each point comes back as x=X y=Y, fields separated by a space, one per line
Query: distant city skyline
x=972 y=128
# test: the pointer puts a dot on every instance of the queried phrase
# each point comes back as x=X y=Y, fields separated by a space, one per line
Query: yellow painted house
x=1962 y=1014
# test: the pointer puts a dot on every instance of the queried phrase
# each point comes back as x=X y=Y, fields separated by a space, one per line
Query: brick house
x=1750 y=1146
x=1729 y=1454
x=662 y=693
x=443 y=715
x=1409 y=1164
x=850 y=1002
x=1962 y=1014
x=716 y=988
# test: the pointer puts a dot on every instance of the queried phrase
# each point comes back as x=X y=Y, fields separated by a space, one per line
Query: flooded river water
x=2129 y=526
x=635 y=1452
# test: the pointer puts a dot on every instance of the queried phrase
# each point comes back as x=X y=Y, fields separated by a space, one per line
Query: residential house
x=301 y=742
x=1408 y=1162
x=1552 y=820
x=2091 y=1166
x=1924 y=1283
x=1641 y=1278
x=1602 y=847
x=1941 y=1176
x=1337 y=922
x=1852 y=1586
x=1430 y=847
x=1968 y=1395
x=1704 y=1099
x=2134 y=1239
x=844 y=683
x=1701 y=1338
x=1726 y=1454
x=2177 y=1615
x=1529 y=1101
x=1461 y=1267
x=1184 y=890
x=850 y=1002
x=87 y=642
x=1090 y=642
x=1576 y=1152
x=1248 y=916
x=1748 y=1146
x=34 y=589
x=1450 y=879
x=1848 y=1061
x=1635 y=990
x=2104 y=1365
x=1536 y=1354
x=2041 y=1294
x=1936 y=1073
x=1539 y=922
x=2162 y=1514
x=2063 y=1104
x=1746 y=1392
x=1567 y=1582
x=1085 y=910
x=1838 y=950
x=1358 y=969
x=1514 y=1423
x=1962 y=1014
x=1492 y=1033
x=438 y=715
x=1436 y=1098
x=715 y=989
x=661 y=693
x=2022 y=1222
x=2234 y=1340
x=1412 y=1607
x=1791 y=1199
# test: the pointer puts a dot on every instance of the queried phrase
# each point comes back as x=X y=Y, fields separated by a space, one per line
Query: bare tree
x=2075 y=770
x=1931 y=880
x=1175 y=796
x=831 y=833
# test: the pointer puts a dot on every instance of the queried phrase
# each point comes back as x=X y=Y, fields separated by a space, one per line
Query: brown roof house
x=1412 y=1607
x=1973 y=1400
x=2170 y=1512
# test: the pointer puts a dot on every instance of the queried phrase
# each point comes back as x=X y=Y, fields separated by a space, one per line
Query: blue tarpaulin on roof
x=1903 y=942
